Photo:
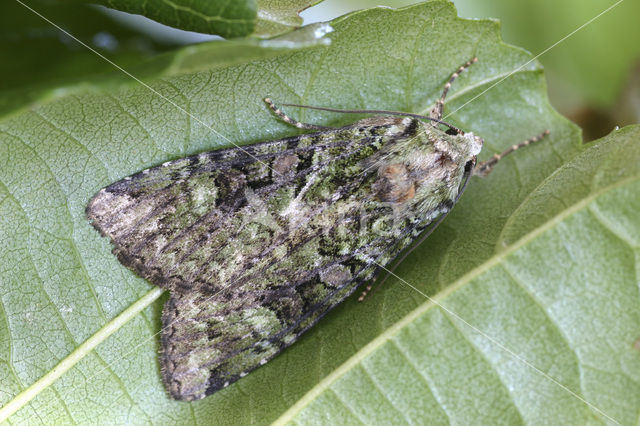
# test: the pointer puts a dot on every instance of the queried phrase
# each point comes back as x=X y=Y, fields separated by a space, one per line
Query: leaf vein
x=347 y=407
x=380 y=391
x=425 y=379
x=118 y=103
x=596 y=214
x=204 y=17
x=487 y=361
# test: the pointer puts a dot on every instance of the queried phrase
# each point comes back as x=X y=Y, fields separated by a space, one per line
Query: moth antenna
x=484 y=168
x=366 y=111
x=436 y=112
x=290 y=120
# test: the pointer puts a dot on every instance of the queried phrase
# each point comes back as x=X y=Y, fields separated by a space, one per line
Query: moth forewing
x=256 y=244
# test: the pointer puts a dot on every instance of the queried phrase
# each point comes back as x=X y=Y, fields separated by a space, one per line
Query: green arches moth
x=256 y=244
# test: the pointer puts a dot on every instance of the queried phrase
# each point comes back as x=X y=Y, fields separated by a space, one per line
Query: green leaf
x=229 y=19
x=280 y=16
x=62 y=291
x=224 y=18
x=552 y=322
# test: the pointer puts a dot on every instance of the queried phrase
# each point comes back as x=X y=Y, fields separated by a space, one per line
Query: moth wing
x=165 y=220
x=194 y=223
x=210 y=341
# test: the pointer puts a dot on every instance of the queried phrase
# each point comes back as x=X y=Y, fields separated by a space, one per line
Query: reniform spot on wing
x=394 y=184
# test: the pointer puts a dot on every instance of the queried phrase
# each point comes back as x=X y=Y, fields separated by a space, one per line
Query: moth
x=255 y=244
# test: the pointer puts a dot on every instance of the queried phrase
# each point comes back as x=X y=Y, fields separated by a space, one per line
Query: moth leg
x=484 y=168
x=290 y=120
x=375 y=282
x=371 y=288
x=436 y=112
x=365 y=292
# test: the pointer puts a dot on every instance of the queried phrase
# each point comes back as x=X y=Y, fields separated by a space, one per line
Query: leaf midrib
x=78 y=354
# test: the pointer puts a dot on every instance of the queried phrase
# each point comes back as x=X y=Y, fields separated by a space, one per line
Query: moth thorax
x=458 y=149
x=394 y=184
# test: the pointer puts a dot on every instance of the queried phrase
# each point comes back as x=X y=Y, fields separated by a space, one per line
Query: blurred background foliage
x=593 y=75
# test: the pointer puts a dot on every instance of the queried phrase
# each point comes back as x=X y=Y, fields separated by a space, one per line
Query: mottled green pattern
x=258 y=243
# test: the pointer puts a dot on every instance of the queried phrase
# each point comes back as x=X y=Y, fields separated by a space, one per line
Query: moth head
x=474 y=143
x=451 y=150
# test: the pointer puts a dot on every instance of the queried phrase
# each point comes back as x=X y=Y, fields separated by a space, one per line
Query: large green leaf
x=229 y=18
x=60 y=284
x=547 y=331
